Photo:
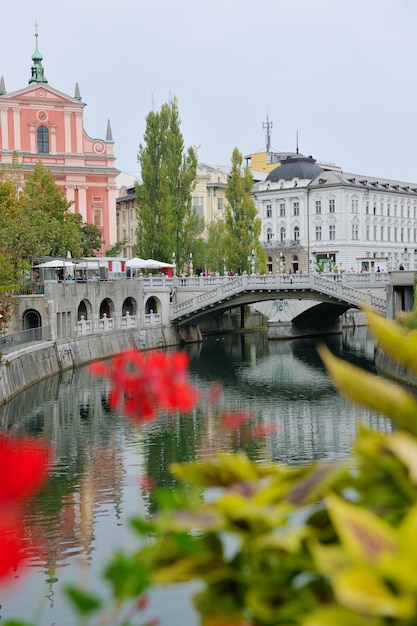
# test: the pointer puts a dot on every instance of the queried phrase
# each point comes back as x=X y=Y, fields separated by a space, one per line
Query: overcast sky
x=341 y=73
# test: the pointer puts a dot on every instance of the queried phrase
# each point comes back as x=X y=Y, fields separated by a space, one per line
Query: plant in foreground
x=333 y=543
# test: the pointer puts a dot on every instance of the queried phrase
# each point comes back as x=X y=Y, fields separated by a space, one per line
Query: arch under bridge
x=334 y=295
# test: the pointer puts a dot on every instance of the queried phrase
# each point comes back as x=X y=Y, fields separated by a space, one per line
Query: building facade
x=208 y=196
x=40 y=123
x=315 y=218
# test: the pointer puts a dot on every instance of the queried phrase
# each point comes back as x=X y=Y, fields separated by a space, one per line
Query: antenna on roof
x=297 y=141
x=268 y=127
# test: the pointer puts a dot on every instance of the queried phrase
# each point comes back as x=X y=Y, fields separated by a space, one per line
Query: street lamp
x=191 y=263
x=252 y=263
x=174 y=269
x=224 y=267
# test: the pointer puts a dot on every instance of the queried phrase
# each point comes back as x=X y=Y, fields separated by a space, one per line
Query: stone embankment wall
x=386 y=366
x=24 y=367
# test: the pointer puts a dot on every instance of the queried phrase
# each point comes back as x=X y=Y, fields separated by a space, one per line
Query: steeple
x=2 y=87
x=109 y=135
x=37 y=68
x=77 y=94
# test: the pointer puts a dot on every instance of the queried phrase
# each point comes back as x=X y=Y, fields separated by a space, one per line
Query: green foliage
x=243 y=226
x=116 y=248
x=167 y=223
x=216 y=246
x=35 y=217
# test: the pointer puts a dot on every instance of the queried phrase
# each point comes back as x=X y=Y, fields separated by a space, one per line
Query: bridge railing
x=334 y=286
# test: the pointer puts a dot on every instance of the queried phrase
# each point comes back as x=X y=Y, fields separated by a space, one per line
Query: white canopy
x=136 y=262
x=56 y=263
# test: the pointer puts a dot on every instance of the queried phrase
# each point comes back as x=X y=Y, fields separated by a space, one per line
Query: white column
x=16 y=128
x=82 y=202
x=79 y=131
x=32 y=136
x=4 y=128
x=52 y=147
x=67 y=131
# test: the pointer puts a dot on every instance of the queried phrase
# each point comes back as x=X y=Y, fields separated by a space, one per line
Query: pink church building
x=40 y=123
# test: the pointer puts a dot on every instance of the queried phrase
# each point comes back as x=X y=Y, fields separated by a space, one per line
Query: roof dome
x=295 y=167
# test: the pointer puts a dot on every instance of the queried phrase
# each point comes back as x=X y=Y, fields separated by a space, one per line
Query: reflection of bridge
x=213 y=297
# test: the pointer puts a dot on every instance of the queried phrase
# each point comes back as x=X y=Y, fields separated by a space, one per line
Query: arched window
x=296 y=234
x=282 y=234
x=269 y=234
x=43 y=140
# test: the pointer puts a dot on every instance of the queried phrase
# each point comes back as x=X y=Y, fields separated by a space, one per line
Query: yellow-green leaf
x=401 y=344
x=365 y=536
x=361 y=589
x=336 y=615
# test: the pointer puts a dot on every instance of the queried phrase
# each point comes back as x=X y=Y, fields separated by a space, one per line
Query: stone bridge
x=203 y=297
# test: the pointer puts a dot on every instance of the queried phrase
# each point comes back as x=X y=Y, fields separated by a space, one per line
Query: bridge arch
x=85 y=310
x=31 y=318
x=107 y=308
x=153 y=305
x=129 y=306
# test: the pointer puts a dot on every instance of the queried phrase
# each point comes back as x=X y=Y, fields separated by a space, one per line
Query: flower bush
x=332 y=543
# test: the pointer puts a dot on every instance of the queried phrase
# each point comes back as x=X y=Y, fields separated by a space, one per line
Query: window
x=355 y=205
x=389 y=233
x=43 y=140
x=269 y=210
x=97 y=217
x=282 y=234
x=381 y=206
x=296 y=233
x=296 y=208
x=318 y=206
x=198 y=205
x=395 y=234
x=318 y=233
x=367 y=232
x=332 y=232
x=382 y=233
x=331 y=205
x=282 y=209
x=374 y=209
x=374 y=233
x=367 y=208
x=220 y=204
x=388 y=210
x=355 y=232
x=269 y=234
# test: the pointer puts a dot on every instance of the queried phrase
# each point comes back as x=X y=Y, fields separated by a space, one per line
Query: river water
x=94 y=488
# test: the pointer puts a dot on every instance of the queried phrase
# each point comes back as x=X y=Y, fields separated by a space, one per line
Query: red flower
x=24 y=464
x=147 y=383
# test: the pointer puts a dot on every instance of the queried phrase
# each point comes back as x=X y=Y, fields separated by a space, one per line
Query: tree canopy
x=243 y=226
x=167 y=222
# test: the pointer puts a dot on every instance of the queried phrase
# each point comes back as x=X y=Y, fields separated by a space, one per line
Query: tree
x=243 y=227
x=91 y=239
x=216 y=250
x=167 y=222
x=116 y=248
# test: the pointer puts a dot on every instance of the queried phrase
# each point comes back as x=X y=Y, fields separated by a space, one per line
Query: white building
x=313 y=216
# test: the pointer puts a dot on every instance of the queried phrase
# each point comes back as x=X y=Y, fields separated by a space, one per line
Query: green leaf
x=84 y=602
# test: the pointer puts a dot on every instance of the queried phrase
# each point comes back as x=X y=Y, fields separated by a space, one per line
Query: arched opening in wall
x=84 y=310
x=153 y=305
x=32 y=325
x=129 y=306
x=107 y=308
x=295 y=265
x=270 y=264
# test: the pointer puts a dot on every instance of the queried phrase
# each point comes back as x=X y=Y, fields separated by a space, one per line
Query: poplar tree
x=167 y=222
x=243 y=226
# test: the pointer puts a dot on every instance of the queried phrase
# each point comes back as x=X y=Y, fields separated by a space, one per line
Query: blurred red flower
x=24 y=465
x=144 y=384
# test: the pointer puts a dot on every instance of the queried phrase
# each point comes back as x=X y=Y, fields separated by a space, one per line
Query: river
x=94 y=487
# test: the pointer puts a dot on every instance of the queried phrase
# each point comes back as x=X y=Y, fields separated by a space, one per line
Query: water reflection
x=82 y=513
